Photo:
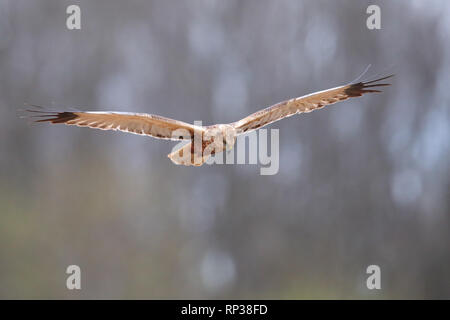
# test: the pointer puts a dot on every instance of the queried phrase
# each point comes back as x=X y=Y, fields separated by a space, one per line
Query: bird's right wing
x=137 y=123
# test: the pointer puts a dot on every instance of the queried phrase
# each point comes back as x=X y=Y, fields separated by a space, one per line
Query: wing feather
x=306 y=103
x=137 y=123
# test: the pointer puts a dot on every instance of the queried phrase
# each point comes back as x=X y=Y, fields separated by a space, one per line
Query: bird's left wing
x=306 y=103
x=137 y=123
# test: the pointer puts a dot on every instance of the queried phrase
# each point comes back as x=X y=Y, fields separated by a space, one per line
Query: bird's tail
x=187 y=156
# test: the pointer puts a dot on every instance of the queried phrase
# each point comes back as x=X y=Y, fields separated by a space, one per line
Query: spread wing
x=137 y=123
x=306 y=103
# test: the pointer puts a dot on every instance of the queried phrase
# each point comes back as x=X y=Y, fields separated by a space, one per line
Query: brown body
x=214 y=139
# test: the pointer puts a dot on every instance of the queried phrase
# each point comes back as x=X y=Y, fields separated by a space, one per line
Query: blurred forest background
x=360 y=183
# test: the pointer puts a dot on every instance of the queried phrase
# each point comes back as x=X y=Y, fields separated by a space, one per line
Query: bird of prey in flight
x=205 y=140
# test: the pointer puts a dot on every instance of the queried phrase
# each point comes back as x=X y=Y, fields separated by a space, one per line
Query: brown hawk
x=205 y=140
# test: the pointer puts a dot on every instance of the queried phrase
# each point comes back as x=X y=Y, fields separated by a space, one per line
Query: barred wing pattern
x=306 y=103
x=137 y=123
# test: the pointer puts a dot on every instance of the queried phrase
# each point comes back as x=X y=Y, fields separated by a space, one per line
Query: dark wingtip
x=60 y=117
x=357 y=89
x=43 y=115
